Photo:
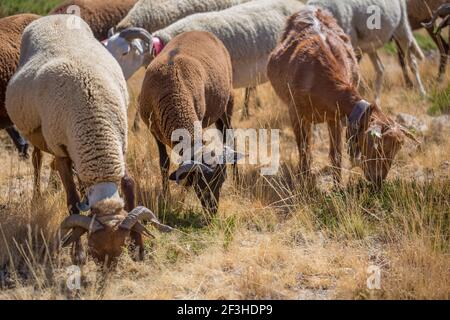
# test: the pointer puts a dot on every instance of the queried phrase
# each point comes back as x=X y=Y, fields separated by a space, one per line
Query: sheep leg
x=335 y=133
x=128 y=189
x=36 y=159
x=137 y=241
x=443 y=24
x=379 y=68
x=64 y=168
x=20 y=143
x=53 y=180
x=136 y=122
x=443 y=50
x=401 y=59
x=164 y=162
x=415 y=69
x=245 y=109
x=303 y=134
x=254 y=93
x=223 y=125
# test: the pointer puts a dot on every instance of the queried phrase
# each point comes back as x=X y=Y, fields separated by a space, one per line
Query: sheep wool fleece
x=249 y=31
x=71 y=100
x=11 y=29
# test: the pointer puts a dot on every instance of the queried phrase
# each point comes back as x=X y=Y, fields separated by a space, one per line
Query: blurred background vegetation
x=42 y=7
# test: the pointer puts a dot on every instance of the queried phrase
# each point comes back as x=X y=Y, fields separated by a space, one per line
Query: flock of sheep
x=64 y=89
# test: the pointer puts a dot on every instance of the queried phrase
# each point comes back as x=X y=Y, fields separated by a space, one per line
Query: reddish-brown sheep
x=11 y=29
x=101 y=16
x=314 y=70
x=189 y=81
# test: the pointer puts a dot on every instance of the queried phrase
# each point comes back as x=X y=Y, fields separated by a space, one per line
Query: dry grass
x=272 y=238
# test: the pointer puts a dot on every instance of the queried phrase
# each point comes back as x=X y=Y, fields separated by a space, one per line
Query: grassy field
x=272 y=238
x=42 y=7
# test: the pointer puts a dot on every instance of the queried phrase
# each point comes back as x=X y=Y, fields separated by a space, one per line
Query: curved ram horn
x=188 y=167
x=111 y=32
x=142 y=213
x=80 y=225
x=139 y=228
x=78 y=221
x=443 y=10
x=130 y=34
x=72 y=237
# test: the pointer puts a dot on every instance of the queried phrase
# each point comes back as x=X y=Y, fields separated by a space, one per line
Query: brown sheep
x=314 y=70
x=11 y=29
x=189 y=81
x=100 y=15
x=419 y=13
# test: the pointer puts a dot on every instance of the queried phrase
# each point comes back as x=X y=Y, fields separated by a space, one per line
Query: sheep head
x=374 y=141
x=132 y=48
x=207 y=182
x=108 y=227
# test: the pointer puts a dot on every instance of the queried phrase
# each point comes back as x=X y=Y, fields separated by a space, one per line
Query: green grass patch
x=425 y=43
x=41 y=7
x=440 y=101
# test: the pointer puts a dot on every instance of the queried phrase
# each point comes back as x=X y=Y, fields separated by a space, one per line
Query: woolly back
x=76 y=93
x=323 y=39
x=154 y=15
x=11 y=29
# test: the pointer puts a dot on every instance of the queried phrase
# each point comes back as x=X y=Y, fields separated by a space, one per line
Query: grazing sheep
x=11 y=29
x=420 y=12
x=353 y=16
x=71 y=101
x=314 y=71
x=100 y=15
x=249 y=31
x=184 y=86
x=154 y=15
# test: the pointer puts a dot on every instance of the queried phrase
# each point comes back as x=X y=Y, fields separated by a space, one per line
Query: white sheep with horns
x=249 y=31
x=373 y=23
x=70 y=100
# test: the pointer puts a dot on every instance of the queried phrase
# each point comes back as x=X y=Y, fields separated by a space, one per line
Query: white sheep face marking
x=130 y=56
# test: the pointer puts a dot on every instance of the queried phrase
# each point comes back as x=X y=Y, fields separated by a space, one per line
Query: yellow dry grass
x=272 y=238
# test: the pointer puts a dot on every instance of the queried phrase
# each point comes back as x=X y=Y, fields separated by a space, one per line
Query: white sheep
x=153 y=15
x=359 y=18
x=249 y=31
x=70 y=100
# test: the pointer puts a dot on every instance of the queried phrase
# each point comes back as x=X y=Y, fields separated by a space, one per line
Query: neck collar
x=358 y=112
